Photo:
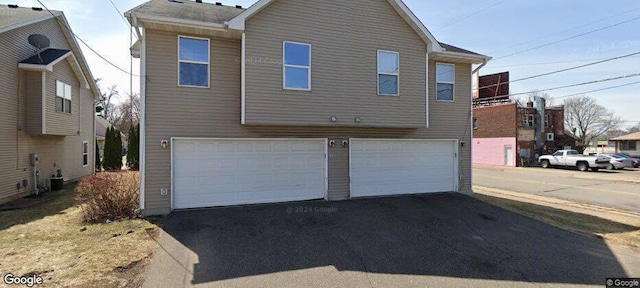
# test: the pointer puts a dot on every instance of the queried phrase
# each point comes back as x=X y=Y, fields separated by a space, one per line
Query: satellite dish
x=39 y=41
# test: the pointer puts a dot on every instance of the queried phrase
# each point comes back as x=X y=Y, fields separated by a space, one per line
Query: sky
x=496 y=28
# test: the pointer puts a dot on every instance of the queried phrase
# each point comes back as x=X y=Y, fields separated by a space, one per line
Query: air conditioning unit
x=550 y=136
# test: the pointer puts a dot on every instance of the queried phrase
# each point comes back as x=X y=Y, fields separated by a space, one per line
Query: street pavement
x=613 y=189
x=438 y=240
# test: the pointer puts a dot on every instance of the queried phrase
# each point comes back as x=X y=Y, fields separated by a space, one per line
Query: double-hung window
x=296 y=69
x=445 y=79
x=527 y=120
x=193 y=62
x=546 y=121
x=85 y=153
x=63 y=97
x=388 y=73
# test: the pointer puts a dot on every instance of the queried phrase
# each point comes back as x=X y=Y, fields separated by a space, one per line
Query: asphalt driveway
x=414 y=241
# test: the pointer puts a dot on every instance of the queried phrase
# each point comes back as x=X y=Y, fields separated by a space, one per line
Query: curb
x=579 y=175
x=612 y=214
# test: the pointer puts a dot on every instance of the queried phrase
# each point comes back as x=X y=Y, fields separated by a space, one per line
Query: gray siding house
x=47 y=103
x=293 y=100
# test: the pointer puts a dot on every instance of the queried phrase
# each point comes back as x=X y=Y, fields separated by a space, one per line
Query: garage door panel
x=218 y=172
x=388 y=167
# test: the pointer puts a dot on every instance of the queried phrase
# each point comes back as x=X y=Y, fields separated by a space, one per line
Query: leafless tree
x=634 y=129
x=126 y=112
x=108 y=110
x=589 y=119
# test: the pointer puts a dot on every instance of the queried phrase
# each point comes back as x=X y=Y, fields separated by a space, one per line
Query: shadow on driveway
x=447 y=235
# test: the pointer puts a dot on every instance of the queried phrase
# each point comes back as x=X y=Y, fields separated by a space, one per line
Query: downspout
x=484 y=62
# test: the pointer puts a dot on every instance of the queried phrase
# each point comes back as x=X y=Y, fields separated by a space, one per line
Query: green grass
x=47 y=237
x=577 y=222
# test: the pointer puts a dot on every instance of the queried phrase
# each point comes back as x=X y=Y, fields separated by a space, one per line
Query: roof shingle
x=12 y=16
x=188 y=10
x=46 y=57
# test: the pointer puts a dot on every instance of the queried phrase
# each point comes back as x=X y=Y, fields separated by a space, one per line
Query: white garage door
x=219 y=172
x=391 y=167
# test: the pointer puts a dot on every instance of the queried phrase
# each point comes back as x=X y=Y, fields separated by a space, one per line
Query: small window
x=445 y=78
x=527 y=120
x=546 y=121
x=296 y=66
x=193 y=59
x=475 y=123
x=388 y=73
x=85 y=153
x=550 y=136
x=628 y=145
x=63 y=97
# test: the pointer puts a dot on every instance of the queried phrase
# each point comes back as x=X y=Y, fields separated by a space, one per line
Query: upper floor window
x=388 y=73
x=63 y=97
x=193 y=59
x=527 y=120
x=546 y=121
x=475 y=123
x=445 y=78
x=296 y=66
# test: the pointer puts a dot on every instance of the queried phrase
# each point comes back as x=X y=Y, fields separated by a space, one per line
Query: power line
x=547 y=63
x=568 y=38
x=597 y=90
x=562 y=87
x=563 y=70
x=470 y=15
x=82 y=41
x=566 y=30
x=122 y=17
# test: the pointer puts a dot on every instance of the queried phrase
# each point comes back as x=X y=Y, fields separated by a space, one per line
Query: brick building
x=507 y=134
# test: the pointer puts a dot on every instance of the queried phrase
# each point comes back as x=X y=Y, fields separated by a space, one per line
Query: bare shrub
x=109 y=196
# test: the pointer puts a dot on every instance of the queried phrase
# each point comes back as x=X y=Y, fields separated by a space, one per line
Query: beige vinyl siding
x=173 y=111
x=16 y=144
x=345 y=38
x=338 y=170
x=61 y=123
x=33 y=93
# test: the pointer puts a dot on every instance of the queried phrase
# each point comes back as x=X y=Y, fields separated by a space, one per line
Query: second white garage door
x=219 y=172
x=394 y=166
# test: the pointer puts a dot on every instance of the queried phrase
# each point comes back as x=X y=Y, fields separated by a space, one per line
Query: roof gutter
x=136 y=19
x=484 y=62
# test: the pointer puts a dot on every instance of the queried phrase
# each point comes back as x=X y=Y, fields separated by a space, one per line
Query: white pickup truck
x=571 y=158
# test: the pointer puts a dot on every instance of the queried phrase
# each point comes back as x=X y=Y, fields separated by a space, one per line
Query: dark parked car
x=634 y=161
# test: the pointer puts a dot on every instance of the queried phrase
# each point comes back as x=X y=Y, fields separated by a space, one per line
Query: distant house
x=48 y=96
x=507 y=134
x=101 y=132
x=629 y=143
x=297 y=100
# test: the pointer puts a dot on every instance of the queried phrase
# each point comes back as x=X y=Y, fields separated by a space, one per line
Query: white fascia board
x=82 y=62
x=477 y=59
x=35 y=67
x=407 y=14
x=237 y=23
x=180 y=22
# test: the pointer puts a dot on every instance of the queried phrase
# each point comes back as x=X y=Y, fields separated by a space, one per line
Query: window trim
x=285 y=65
x=195 y=62
x=546 y=121
x=453 y=89
x=475 y=123
x=378 y=73
x=85 y=154
x=529 y=119
x=58 y=81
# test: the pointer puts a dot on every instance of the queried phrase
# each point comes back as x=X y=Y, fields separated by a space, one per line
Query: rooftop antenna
x=39 y=42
